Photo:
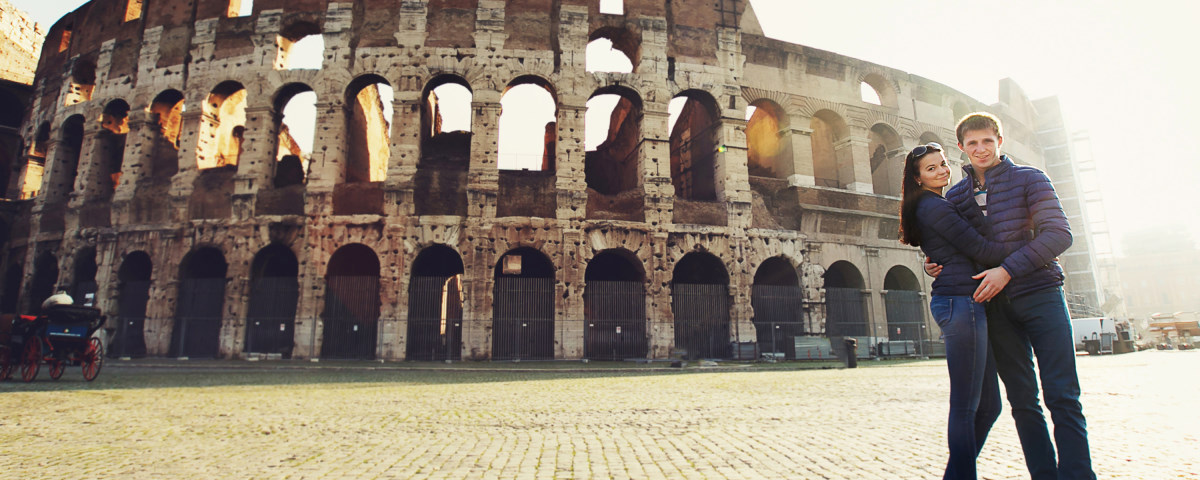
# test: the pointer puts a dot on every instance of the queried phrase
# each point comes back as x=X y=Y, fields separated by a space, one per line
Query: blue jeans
x=1038 y=324
x=974 y=391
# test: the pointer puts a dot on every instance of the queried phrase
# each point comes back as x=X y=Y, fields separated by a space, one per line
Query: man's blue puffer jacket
x=1025 y=216
x=951 y=242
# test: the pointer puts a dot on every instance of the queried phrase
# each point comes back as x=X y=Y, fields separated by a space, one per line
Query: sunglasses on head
x=921 y=150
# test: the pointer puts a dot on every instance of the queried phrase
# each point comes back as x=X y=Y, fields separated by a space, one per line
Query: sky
x=1123 y=71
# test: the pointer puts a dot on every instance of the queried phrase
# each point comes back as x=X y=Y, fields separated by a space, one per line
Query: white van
x=1092 y=328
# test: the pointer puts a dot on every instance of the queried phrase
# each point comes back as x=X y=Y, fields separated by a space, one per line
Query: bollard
x=851 y=345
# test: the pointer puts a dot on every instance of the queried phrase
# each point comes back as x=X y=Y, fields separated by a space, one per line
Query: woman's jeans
x=974 y=388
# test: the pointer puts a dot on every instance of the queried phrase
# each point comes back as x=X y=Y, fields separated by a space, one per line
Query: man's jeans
x=974 y=391
x=1038 y=324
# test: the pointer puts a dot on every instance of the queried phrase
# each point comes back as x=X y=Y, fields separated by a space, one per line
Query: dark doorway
x=133 y=293
x=201 y=304
x=614 y=307
x=845 y=302
x=84 y=288
x=274 y=291
x=700 y=303
x=45 y=277
x=778 y=303
x=351 y=303
x=12 y=287
x=523 y=306
x=905 y=307
x=435 y=305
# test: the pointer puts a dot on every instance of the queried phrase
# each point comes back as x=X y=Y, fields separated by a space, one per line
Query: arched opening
x=612 y=7
x=45 y=278
x=435 y=305
x=301 y=46
x=878 y=90
x=37 y=162
x=613 y=142
x=83 y=281
x=614 y=307
x=833 y=164
x=240 y=8
x=133 y=10
x=528 y=121
x=220 y=141
x=769 y=142
x=905 y=306
x=66 y=166
x=83 y=82
x=523 y=306
x=845 y=304
x=368 y=136
x=296 y=105
x=274 y=293
x=887 y=161
x=110 y=145
x=700 y=304
x=441 y=179
x=352 y=303
x=778 y=303
x=612 y=49
x=201 y=304
x=694 y=140
x=868 y=94
x=133 y=293
x=167 y=111
x=12 y=287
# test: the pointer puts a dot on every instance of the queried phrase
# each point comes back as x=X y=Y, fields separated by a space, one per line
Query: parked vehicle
x=63 y=335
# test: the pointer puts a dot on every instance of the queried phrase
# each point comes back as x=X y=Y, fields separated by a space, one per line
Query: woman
x=929 y=221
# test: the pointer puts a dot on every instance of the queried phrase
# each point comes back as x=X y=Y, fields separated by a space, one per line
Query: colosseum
x=742 y=203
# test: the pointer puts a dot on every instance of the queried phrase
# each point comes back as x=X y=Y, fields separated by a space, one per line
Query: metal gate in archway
x=198 y=317
x=351 y=316
x=271 y=315
x=615 y=320
x=905 y=322
x=129 y=340
x=701 y=319
x=845 y=313
x=778 y=317
x=523 y=319
x=434 y=319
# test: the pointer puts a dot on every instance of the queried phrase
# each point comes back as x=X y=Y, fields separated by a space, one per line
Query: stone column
x=854 y=163
x=569 y=170
x=483 y=175
x=802 y=155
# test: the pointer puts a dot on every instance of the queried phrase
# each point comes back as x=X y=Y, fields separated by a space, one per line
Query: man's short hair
x=977 y=121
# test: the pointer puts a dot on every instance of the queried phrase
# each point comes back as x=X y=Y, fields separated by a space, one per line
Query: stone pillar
x=139 y=146
x=661 y=330
x=483 y=175
x=854 y=163
x=260 y=143
x=802 y=155
x=88 y=168
x=655 y=162
x=569 y=170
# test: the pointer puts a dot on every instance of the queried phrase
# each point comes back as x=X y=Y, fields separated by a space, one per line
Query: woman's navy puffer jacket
x=948 y=239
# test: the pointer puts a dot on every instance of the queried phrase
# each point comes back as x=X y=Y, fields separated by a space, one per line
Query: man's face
x=983 y=147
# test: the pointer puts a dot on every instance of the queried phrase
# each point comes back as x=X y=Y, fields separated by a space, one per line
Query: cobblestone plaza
x=884 y=420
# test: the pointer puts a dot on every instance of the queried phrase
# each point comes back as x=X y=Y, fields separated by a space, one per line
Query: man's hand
x=932 y=269
x=994 y=280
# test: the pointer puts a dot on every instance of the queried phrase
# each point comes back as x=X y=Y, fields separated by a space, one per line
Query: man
x=1027 y=314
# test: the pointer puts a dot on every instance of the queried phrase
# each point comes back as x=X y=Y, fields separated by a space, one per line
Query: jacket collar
x=1005 y=164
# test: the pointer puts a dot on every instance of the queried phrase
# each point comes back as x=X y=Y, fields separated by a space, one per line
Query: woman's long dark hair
x=910 y=194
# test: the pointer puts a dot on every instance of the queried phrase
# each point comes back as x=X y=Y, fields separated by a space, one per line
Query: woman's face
x=933 y=173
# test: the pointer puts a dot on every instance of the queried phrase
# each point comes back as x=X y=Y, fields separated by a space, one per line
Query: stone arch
x=885 y=147
x=200 y=304
x=296 y=42
x=777 y=299
x=83 y=276
x=523 y=306
x=618 y=39
x=368 y=123
x=294 y=138
x=83 y=82
x=612 y=166
x=886 y=88
x=769 y=140
x=110 y=148
x=833 y=163
x=845 y=303
x=224 y=111
x=274 y=295
x=439 y=145
x=695 y=137
x=614 y=306
x=524 y=108
x=133 y=295
x=904 y=304
x=435 y=305
x=166 y=110
x=352 y=303
x=700 y=304
x=66 y=160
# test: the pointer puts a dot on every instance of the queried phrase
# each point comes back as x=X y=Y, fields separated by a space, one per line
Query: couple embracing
x=992 y=242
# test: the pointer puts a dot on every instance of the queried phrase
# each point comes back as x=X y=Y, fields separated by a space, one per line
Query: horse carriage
x=62 y=336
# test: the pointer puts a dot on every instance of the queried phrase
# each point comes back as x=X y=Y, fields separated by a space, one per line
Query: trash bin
x=851 y=345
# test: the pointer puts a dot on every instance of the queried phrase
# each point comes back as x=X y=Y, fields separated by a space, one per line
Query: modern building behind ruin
x=162 y=180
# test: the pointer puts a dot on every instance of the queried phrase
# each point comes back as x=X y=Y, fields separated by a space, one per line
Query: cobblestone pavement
x=884 y=420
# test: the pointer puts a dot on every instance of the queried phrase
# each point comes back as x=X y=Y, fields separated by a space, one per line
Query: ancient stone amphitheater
x=158 y=179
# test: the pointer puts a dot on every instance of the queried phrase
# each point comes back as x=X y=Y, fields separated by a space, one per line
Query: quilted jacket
x=951 y=242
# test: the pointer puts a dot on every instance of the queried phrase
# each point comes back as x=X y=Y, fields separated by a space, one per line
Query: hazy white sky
x=1124 y=71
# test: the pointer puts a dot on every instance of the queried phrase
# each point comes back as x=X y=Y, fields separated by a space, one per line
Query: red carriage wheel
x=57 y=367
x=93 y=359
x=31 y=360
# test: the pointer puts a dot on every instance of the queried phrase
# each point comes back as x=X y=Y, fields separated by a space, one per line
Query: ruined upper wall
x=20 y=39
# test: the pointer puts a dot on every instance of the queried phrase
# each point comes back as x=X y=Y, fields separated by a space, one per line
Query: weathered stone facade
x=185 y=176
